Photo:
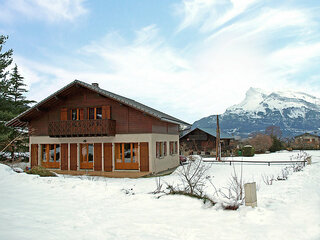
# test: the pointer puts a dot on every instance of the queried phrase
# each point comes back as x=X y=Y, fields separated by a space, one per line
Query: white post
x=250 y=194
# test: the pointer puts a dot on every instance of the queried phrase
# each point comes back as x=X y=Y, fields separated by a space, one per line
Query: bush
x=41 y=171
x=248 y=151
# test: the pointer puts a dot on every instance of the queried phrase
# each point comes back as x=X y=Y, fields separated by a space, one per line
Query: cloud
x=210 y=14
x=49 y=10
x=247 y=45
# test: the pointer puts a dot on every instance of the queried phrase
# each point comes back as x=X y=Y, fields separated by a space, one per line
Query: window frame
x=45 y=148
x=94 y=113
x=84 y=158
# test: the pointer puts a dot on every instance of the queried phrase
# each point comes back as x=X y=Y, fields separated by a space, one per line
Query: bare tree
x=261 y=142
x=274 y=131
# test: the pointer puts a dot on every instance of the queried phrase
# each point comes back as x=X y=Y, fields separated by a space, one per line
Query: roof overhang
x=23 y=118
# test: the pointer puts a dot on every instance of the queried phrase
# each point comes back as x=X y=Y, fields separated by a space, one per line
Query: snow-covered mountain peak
x=294 y=112
x=254 y=96
x=257 y=100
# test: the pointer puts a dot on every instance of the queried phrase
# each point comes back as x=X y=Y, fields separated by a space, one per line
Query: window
x=50 y=155
x=87 y=152
x=86 y=156
x=173 y=147
x=126 y=152
x=95 y=113
x=161 y=149
x=75 y=114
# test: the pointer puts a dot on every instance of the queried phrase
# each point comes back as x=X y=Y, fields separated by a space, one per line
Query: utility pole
x=218 y=158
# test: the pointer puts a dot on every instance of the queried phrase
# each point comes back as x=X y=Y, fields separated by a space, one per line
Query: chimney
x=95 y=85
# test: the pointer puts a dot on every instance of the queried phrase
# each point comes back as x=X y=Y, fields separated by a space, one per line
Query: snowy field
x=107 y=208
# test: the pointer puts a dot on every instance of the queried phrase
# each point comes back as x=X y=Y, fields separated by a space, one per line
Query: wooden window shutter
x=157 y=150
x=144 y=157
x=81 y=114
x=34 y=155
x=106 y=112
x=64 y=114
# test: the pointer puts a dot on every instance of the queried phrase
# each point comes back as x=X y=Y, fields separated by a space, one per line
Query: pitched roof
x=211 y=132
x=18 y=120
x=307 y=134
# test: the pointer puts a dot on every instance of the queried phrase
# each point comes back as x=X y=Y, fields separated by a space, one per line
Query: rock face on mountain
x=294 y=112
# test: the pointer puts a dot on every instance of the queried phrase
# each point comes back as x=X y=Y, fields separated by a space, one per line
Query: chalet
x=307 y=138
x=82 y=128
x=203 y=141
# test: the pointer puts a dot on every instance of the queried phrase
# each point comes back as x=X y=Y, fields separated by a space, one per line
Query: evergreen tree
x=276 y=144
x=16 y=91
x=5 y=61
x=12 y=102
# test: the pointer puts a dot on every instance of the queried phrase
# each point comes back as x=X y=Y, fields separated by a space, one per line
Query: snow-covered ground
x=107 y=208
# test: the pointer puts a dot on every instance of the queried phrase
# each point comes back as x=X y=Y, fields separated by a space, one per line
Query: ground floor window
x=161 y=149
x=173 y=147
x=50 y=155
x=126 y=155
x=86 y=156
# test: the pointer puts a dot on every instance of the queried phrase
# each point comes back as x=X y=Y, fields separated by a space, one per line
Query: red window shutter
x=64 y=114
x=81 y=114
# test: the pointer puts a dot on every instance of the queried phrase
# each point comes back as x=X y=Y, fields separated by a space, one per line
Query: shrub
x=41 y=171
x=248 y=151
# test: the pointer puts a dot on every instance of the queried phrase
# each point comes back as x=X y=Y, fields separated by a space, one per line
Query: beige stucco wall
x=155 y=164
x=169 y=161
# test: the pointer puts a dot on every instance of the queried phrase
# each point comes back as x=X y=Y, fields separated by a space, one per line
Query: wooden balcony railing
x=78 y=128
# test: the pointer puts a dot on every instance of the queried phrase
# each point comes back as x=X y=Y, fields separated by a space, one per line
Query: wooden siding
x=73 y=156
x=107 y=157
x=144 y=157
x=64 y=156
x=97 y=156
x=128 y=120
x=34 y=155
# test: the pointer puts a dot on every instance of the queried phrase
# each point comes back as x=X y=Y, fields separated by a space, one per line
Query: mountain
x=294 y=112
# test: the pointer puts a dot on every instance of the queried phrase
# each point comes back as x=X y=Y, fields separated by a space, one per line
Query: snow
x=257 y=100
x=69 y=207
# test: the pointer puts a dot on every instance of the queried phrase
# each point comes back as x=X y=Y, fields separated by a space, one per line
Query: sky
x=187 y=58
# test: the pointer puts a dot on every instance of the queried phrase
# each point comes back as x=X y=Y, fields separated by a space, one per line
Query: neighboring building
x=84 y=129
x=203 y=141
x=307 y=138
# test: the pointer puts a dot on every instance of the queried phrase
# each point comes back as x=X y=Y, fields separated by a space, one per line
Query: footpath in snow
x=103 y=208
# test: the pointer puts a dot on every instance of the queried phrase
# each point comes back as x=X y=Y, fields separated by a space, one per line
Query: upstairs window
x=95 y=113
x=76 y=114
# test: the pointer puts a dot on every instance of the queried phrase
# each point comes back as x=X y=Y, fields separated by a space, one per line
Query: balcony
x=79 y=128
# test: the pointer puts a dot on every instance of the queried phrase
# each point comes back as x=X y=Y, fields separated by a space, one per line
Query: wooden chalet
x=83 y=129
x=307 y=138
x=202 y=141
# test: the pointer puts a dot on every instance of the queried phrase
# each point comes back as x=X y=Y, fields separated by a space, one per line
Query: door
x=126 y=156
x=86 y=156
x=50 y=155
